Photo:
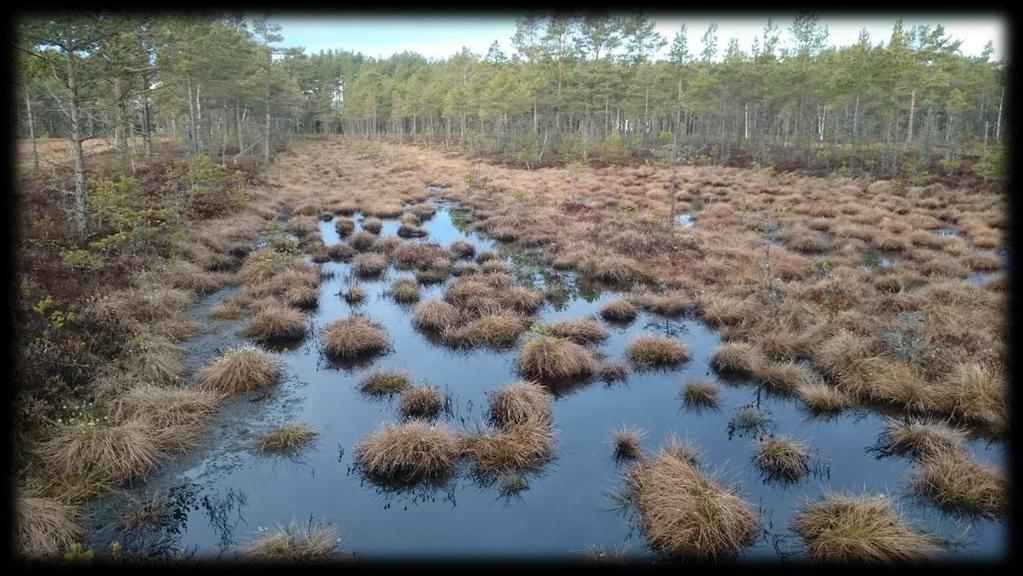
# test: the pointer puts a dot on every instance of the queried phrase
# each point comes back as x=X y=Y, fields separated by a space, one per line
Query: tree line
x=577 y=87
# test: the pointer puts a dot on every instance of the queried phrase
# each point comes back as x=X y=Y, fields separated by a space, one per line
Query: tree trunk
x=912 y=113
x=146 y=130
x=266 y=130
x=32 y=131
x=78 y=209
x=998 y=122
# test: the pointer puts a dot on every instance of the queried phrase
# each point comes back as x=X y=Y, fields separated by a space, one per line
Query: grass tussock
x=919 y=439
x=627 y=443
x=44 y=527
x=860 y=530
x=176 y=414
x=420 y=402
x=372 y=225
x=520 y=402
x=547 y=357
x=353 y=337
x=618 y=310
x=700 y=393
x=293 y=545
x=340 y=252
x=98 y=453
x=462 y=249
x=650 y=350
x=515 y=447
x=782 y=458
x=975 y=394
x=583 y=331
x=738 y=358
x=240 y=370
x=612 y=371
x=276 y=322
x=354 y=295
x=385 y=382
x=435 y=315
x=369 y=265
x=500 y=329
x=954 y=481
x=686 y=514
x=405 y=291
x=286 y=439
x=784 y=377
x=409 y=452
x=823 y=399
x=363 y=240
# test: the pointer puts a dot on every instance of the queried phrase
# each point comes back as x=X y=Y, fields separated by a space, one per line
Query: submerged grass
x=286 y=439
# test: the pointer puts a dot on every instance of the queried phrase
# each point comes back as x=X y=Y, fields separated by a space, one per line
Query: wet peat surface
x=219 y=495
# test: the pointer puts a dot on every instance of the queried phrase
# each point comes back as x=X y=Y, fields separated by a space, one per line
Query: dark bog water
x=221 y=493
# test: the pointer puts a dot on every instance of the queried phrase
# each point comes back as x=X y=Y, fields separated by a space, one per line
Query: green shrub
x=207 y=189
x=992 y=166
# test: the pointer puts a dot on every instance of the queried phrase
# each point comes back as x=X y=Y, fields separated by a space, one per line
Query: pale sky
x=442 y=36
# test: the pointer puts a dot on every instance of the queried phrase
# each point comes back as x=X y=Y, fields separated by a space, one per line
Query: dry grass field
x=895 y=294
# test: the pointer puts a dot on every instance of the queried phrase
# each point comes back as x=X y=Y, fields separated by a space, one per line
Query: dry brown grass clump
x=276 y=323
x=548 y=357
x=363 y=240
x=353 y=337
x=405 y=291
x=670 y=303
x=627 y=443
x=700 y=393
x=823 y=399
x=176 y=414
x=100 y=455
x=520 y=402
x=497 y=330
x=649 y=350
x=860 y=530
x=380 y=382
x=521 y=299
x=618 y=310
x=409 y=452
x=975 y=394
x=44 y=527
x=738 y=358
x=369 y=265
x=784 y=377
x=919 y=439
x=486 y=256
x=286 y=439
x=340 y=252
x=424 y=211
x=435 y=315
x=302 y=297
x=612 y=371
x=372 y=225
x=240 y=370
x=783 y=458
x=409 y=230
x=462 y=249
x=294 y=545
x=493 y=266
x=355 y=294
x=686 y=514
x=420 y=402
x=583 y=331
x=344 y=226
x=954 y=481
x=514 y=447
